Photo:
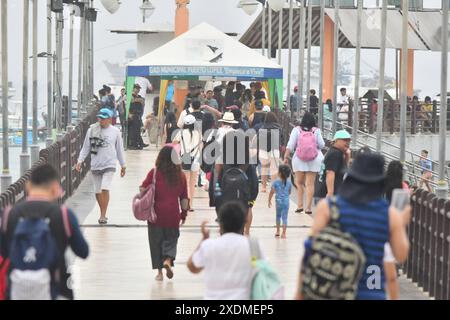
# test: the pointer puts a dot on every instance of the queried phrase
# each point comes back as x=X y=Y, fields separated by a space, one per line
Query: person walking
x=426 y=168
x=104 y=143
x=269 y=138
x=293 y=101
x=46 y=276
x=313 y=102
x=170 y=126
x=170 y=204
x=190 y=140
x=334 y=165
x=121 y=106
x=282 y=189
x=225 y=261
x=361 y=211
x=109 y=101
x=307 y=142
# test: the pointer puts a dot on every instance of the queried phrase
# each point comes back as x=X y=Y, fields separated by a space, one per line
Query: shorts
x=102 y=181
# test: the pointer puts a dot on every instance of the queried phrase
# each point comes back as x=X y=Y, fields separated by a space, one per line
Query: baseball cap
x=341 y=135
x=189 y=119
x=104 y=113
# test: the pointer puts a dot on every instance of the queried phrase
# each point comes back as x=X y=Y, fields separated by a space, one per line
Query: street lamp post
x=147 y=9
x=59 y=39
x=6 y=177
x=34 y=148
x=25 y=156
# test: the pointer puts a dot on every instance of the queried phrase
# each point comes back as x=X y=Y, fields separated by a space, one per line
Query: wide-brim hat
x=105 y=113
x=368 y=168
x=228 y=117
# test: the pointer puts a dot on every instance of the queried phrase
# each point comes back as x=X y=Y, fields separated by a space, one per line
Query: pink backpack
x=144 y=203
x=307 y=145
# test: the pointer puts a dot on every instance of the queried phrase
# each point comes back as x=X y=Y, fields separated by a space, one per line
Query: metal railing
x=428 y=262
x=62 y=155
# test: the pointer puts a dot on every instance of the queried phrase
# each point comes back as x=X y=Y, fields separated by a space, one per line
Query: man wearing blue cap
x=104 y=142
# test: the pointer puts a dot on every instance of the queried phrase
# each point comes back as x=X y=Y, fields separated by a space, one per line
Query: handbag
x=186 y=159
x=144 y=203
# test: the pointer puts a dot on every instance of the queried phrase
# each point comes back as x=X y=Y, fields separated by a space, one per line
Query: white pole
x=291 y=17
x=381 y=78
x=25 y=156
x=301 y=56
x=308 y=68
x=49 y=139
x=336 y=60
x=404 y=72
x=442 y=189
x=322 y=43
x=34 y=148
x=357 y=75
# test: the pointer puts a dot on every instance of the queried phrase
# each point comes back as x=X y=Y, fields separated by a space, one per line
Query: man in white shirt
x=343 y=99
x=225 y=261
x=145 y=85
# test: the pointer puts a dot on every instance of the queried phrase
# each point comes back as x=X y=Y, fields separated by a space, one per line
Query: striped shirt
x=369 y=225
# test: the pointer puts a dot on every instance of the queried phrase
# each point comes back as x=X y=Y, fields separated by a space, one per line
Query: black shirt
x=334 y=161
x=314 y=104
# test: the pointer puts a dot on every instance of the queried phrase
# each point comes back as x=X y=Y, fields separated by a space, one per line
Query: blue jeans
x=282 y=207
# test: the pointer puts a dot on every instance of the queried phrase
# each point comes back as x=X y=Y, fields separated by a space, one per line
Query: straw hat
x=228 y=117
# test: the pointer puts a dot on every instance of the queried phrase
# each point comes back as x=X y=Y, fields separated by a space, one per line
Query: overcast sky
x=222 y=14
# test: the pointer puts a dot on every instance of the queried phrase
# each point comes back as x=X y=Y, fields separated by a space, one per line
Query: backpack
x=143 y=204
x=335 y=264
x=34 y=257
x=204 y=165
x=307 y=145
x=235 y=186
x=265 y=283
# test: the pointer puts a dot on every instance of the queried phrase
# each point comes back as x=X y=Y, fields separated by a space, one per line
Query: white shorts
x=102 y=181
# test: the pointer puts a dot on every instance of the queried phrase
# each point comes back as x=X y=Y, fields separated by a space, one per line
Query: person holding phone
x=365 y=214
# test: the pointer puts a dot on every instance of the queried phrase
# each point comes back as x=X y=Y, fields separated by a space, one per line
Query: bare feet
x=159 y=276
x=283 y=236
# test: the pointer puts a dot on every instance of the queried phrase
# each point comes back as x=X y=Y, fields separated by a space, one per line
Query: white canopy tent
x=205 y=53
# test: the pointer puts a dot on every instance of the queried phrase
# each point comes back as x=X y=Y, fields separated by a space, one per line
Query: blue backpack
x=34 y=258
x=265 y=283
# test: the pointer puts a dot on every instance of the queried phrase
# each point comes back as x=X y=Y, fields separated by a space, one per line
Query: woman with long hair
x=307 y=142
x=170 y=125
x=171 y=203
x=269 y=148
x=190 y=140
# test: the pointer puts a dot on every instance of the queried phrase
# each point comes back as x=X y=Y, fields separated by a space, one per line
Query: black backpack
x=335 y=265
x=235 y=186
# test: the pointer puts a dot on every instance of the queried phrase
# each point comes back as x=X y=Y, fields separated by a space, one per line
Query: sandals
x=169 y=272
x=299 y=210
x=277 y=235
x=308 y=212
x=103 y=221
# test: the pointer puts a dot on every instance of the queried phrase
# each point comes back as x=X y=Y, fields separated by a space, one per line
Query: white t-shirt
x=227 y=267
x=145 y=84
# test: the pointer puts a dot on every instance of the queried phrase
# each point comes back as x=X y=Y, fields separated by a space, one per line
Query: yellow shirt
x=427 y=107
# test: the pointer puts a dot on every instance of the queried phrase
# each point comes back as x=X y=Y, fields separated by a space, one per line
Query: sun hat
x=189 y=119
x=105 y=113
x=367 y=167
x=341 y=135
x=228 y=117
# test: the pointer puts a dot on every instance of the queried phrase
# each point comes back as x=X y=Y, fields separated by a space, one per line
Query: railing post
x=434 y=122
x=392 y=117
x=413 y=117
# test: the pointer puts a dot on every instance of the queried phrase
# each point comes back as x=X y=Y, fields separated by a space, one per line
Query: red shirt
x=167 y=200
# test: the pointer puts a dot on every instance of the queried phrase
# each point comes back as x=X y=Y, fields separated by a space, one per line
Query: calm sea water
x=14 y=160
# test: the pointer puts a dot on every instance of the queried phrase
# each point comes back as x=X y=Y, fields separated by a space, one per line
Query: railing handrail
x=62 y=155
